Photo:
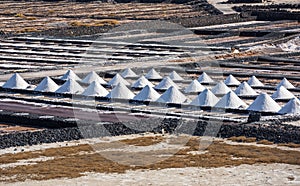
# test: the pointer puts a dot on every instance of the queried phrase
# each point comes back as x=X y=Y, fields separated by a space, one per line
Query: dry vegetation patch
x=73 y=161
x=52 y=152
x=265 y=142
x=241 y=54
x=243 y=139
x=110 y=22
x=143 y=141
x=291 y=145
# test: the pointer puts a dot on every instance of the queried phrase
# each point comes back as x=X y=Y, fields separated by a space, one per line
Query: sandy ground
x=270 y=174
x=258 y=174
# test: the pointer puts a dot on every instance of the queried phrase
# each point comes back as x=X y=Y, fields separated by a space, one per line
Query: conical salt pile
x=204 y=78
x=116 y=80
x=70 y=75
x=254 y=82
x=220 y=89
x=152 y=74
x=120 y=92
x=172 y=95
x=231 y=100
x=244 y=89
x=292 y=107
x=47 y=85
x=141 y=83
x=15 y=82
x=95 y=89
x=128 y=73
x=206 y=98
x=93 y=76
x=282 y=93
x=231 y=81
x=165 y=84
x=175 y=77
x=194 y=87
x=264 y=103
x=284 y=82
x=70 y=87
x=147 y=94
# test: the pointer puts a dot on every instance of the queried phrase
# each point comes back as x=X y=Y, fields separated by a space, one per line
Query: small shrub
x=30 y=18
x=20 y=15
x=51 y=11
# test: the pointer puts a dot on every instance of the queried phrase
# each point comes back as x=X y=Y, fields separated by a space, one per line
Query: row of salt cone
x=172 y=95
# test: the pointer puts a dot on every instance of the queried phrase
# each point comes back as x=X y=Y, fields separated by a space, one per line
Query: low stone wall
x=35 y=120
x=275 y=131
x=274 y=16
x=272 y=12
x=214 y=19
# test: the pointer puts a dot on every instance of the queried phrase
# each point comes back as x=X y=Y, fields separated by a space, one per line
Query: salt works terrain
x=180 y=92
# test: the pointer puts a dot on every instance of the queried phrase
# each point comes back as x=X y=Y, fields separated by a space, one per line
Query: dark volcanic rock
x=74 y=31
x=272 y=131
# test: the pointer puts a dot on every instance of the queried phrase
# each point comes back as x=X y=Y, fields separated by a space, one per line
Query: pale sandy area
x=269 y=174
